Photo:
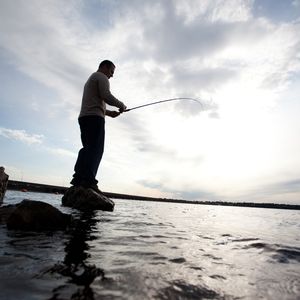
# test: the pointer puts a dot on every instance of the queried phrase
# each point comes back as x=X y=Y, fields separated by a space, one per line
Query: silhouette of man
x=96 y=95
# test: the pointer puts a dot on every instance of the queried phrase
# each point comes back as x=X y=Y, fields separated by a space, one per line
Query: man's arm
x=104 y=90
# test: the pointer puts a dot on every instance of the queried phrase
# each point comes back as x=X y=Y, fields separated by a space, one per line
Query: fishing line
x=162 y=101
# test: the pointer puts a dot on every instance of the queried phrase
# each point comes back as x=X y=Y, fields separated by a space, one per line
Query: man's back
x=92 y=102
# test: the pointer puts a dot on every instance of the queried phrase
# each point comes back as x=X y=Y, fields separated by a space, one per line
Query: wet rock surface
x=5 y=212
x=86 y=199
x=34 y=215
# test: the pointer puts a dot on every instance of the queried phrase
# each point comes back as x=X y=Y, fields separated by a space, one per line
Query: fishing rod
x=162 y=101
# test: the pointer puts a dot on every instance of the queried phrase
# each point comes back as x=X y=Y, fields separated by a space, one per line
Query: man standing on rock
x=96 y=95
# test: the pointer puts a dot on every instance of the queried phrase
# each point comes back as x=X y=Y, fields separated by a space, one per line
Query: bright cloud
x=22 y=136
x=34 y=139
x=62 y=152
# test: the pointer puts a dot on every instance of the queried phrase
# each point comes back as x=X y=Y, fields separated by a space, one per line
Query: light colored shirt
x=95 y=94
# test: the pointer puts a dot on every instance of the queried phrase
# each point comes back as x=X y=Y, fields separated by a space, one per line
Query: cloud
x=205 y=33
x=278 y=188
x=61 y=152
x=43 y=40
x=170 y=40
x=186 y=193
x=283 y=192
x=230 y=11
x=202 y=77
x=284 y=63
x=194 y=46
x=22 y=136
x=222 y=43
x=190 y=108
x=296 y=3
x=143 y=139
x=33 y=139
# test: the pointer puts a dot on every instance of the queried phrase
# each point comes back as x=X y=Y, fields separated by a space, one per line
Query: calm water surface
x=152 y=250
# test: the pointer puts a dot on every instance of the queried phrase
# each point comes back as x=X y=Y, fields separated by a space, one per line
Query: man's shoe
x=95 y=188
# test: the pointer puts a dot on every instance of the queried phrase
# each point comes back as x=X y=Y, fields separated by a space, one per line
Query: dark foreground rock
x=5 y=212
x=3 y=183
x=34 y=215
x=86 y=199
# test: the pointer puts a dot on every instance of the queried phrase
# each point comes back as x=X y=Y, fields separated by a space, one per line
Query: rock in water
x=5 y=212
x=3 y=183
x=86 y=199
x=37 y=215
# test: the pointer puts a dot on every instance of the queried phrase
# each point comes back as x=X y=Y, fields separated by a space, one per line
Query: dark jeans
x=92 y=137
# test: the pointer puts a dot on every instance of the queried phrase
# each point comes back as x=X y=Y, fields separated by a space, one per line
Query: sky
x=240 y=58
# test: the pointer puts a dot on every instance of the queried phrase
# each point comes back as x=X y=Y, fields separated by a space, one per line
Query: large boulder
x=3 y=183
x=5 y=212
x=86 y=199
x=36 y=216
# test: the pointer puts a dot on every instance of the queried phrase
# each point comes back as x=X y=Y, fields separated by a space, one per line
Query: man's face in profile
x=109 y=71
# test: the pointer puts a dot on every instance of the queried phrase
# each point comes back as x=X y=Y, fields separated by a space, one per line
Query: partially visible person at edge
x=96 y=95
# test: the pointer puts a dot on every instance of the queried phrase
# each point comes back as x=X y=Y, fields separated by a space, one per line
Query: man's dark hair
x=106 y=63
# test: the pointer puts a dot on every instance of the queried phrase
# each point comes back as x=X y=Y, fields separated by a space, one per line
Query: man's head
x=107 y=68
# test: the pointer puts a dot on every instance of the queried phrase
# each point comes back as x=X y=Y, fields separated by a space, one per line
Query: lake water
x=154 y=250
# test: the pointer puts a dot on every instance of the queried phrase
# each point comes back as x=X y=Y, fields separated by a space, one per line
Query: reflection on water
x=148 y=250
x=74 y=265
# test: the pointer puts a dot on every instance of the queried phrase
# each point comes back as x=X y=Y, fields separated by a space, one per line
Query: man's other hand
x=114 y=114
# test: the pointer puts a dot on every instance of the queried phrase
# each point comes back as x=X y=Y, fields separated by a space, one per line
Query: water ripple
x=181 y=290
x=280 y=253
x=148 y=250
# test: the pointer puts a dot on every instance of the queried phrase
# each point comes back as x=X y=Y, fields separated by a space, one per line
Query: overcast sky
x=241 y=58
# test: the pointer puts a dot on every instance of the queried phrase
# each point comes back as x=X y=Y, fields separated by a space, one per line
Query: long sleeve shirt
x=96 y=94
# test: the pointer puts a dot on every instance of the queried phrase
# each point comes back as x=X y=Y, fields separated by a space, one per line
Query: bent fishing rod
x=162 y=101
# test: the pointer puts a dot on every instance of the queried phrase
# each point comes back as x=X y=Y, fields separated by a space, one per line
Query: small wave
x=206 y=237
x=21 y=255
x=280 y=253
x=245 y=240
x=179 y=289
x=260 y=245
x=289 y=286
x=284 y=255
x=137 y=224
x=178 y=260
x=197 y=268
x=216 y=276
x=138 y=253
x=212 y=256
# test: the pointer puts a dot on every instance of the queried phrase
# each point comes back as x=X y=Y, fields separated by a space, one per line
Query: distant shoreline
x=52 y=189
